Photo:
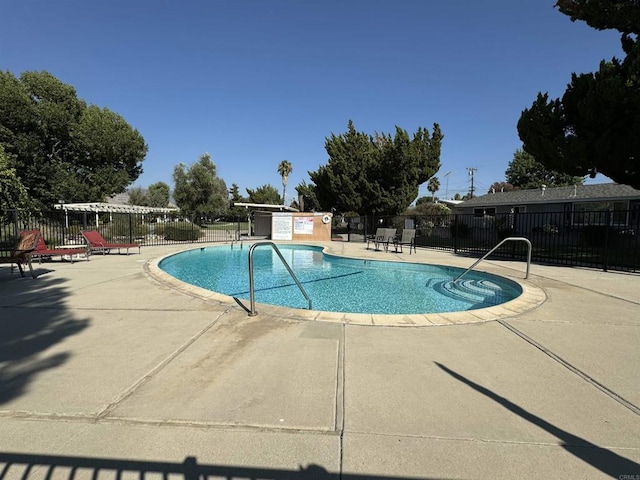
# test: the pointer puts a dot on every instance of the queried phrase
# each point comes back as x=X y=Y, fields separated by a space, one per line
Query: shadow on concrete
x=18 y=465
x=33 y=318
x=604 y=460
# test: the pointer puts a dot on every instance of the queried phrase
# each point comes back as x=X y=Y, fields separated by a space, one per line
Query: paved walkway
x=109 y=370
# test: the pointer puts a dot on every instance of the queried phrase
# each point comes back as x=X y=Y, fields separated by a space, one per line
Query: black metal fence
x=65 y=228
x=608 y=240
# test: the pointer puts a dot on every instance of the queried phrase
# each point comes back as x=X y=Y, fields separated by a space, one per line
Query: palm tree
x=284 y=169
x=433 y=186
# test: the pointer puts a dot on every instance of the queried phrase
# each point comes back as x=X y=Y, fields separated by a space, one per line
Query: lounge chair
x=21 y=254
x=43 y=251
x=97 y=243
x=408 y=238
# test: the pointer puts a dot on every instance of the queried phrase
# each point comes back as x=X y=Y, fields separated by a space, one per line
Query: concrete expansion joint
x=610 y=393
x=591 y=290
x=160 y=423
x=159 y=367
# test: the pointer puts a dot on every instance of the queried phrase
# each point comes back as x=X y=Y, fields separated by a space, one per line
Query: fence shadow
x=25 y=466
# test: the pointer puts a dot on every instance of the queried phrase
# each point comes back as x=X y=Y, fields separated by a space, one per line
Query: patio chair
x=97 y=243
x=21 y=253
x=408 y=238
x=379 y=235
x=383 y=237
x=43 y=251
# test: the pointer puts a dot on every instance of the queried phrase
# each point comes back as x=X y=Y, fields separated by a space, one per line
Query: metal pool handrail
x=253 y=312
x=514 y=239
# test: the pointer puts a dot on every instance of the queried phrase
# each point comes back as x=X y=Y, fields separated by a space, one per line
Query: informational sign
x=281 y=226
x=303 y=225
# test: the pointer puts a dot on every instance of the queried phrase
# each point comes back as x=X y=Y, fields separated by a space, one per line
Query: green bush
x=181 y=232
x=123 y=226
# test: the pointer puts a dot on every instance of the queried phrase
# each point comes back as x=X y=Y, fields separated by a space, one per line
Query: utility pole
x=446 y=194
x=471 y=173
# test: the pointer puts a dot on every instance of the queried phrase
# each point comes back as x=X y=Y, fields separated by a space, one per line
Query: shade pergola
x=110 y=208
x=99 y=207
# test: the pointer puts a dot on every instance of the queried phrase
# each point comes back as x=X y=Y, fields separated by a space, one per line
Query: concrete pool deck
x=107 y=371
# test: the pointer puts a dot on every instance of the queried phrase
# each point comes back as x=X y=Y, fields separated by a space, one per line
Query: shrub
x=181 y=231
x=123 y=226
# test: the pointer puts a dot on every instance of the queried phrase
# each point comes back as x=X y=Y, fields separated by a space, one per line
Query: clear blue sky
x=254 y=82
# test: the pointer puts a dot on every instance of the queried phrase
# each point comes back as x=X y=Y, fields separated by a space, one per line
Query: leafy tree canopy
x=60 y=147
x=138 y=196
x=595 y=127
x=524 y=172
x=236 y=212
x=376 y=174
x=500 y=187
x=159 y=193
x=198 y=190
x=12 y=192
x=309 y=200
x=428 y=207
x=267 y=194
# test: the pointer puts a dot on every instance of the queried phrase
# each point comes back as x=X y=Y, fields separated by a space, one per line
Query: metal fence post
x=455 y=233
x=605 y=246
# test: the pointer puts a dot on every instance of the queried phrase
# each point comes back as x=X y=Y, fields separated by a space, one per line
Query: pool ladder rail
x=253 y=312
x=508 y=239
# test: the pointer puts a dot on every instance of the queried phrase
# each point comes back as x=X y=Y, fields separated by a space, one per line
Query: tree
x=433 y=186
x=198 y=190
x=428 y=207
x=524 y=172
x=138 y=196
x=284 y=169
x=376 y=175
x=500 y=187
x=60 y=147
x=234 y=211
x=267 y=194
x=13 y=194
x=159 y=195
x=595 y=127
x=309 y=201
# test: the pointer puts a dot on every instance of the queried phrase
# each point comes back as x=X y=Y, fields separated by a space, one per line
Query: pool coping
x=532 y=297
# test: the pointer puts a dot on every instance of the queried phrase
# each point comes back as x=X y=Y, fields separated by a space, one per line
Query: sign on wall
x=303 y=225
x=282 y=226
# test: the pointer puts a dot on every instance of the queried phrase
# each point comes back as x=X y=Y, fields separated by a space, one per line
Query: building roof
x=266 y=206
x=576 y=193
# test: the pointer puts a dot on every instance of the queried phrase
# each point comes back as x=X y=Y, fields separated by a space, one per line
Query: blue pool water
x=338 y=284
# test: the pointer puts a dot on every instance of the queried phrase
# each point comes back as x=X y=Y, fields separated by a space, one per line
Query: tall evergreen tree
x=376 y=175
x=595 y=127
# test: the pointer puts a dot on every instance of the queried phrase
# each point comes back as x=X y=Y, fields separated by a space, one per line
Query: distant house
x=565 y=206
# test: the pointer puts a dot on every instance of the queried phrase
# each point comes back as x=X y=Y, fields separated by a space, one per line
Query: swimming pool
x=339 y=284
